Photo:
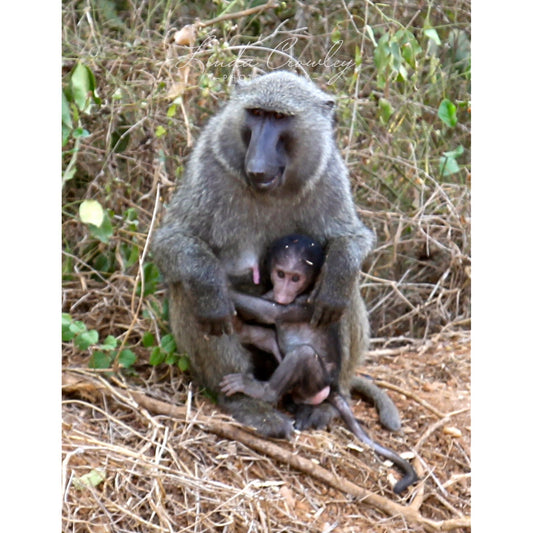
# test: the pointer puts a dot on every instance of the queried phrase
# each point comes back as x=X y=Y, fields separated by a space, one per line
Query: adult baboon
x=265 y=166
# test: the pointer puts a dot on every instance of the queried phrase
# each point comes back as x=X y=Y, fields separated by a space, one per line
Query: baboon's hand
x=328 y=306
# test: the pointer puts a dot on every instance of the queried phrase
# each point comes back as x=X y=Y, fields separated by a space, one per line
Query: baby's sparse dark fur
x=231 y=203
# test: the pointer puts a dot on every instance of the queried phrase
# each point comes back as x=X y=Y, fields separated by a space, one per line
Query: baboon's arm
x=268 y=312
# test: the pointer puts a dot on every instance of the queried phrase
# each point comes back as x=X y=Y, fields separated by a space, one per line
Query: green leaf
x=131 y=215
x=408 y=54
x=447 y=113
x=127 y=358
x=66 y=333
x=336 y=35
x=385 y=110
x=78 y=327
x=172 y=359
x=160 y=131
x=103 y=232
x=66 y=119
x=184 y=363
x=69 y=174
x=370 y=33
x=157 y=356
x=459 y=49
x=86 y=339
x=91 y=212
x=151 y=279
x=80 y=133
x=67 y=336
x=410 y=47
x=455 y=153
x=112 y=341
x=168 y=344
x=448 y=166
x=103 y=263
x=130 y=253
x=148 y=340
x=172 y=111
x=82 y=86
x=396 y=54
x=65 y=134
x=109 y=344
x=100 y=360
x=431 y=34
x=108 y=10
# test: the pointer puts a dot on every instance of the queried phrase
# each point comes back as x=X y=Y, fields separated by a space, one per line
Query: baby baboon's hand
x=231 y=384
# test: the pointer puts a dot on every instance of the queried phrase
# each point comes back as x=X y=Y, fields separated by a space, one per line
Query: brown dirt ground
x=162 y=473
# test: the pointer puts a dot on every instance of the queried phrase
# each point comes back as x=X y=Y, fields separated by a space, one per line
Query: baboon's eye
x=280 y=274
x=295 y=278
x=278 y=116
x=257 y=112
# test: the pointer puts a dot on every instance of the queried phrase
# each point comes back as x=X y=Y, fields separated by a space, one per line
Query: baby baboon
x=265 y=166
x=310 y=362
x=308 y=356
x=305 y=257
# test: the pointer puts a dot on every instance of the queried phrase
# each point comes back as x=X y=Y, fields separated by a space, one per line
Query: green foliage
x=394 y=55
x=447 y=113
x=385 y=110
x=77 y=98
x=103 y=355
x=152 y=278
x=104 y=231
x=81 y=89
x=166 y=352
x=113 y=243
x=448 y=162
x=76 y=330
x=459 y=51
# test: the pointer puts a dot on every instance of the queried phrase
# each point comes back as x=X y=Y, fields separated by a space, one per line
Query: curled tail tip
x=406 y=480
x=391 y=422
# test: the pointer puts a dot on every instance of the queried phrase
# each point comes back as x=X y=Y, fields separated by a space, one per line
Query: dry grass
x=173 y=471
x=191 y=468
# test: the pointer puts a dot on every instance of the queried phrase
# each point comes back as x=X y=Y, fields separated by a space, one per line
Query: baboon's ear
x=328 y=107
